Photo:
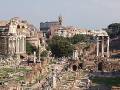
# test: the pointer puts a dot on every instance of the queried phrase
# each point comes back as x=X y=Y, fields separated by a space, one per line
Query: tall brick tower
x=60 y=19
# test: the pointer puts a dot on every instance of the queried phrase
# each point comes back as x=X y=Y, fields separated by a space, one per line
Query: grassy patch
x=5 y=72
x=110 y=81
x=8 y=70
x=23 y=69
x=20 y=78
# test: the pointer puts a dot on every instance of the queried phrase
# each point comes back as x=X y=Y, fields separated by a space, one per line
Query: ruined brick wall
x=3 y=45
x=112 y=65
x=103 y=65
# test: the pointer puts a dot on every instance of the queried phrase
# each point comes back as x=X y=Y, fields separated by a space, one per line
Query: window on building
x=18 y=26
x=23 y=27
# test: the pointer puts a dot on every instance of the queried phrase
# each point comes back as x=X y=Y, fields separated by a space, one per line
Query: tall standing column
x=39 y=50
x=73 y=54
x=34 y=57
x=23 y=44
x=97 y=46
x=12 y=45
x=54 y=79
x=102 y=46
x=108 y=40
x=18 y=45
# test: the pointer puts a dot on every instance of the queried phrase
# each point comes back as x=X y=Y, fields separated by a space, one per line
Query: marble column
x=6 y=51
x=39 y=50
x=97 y=46
x=12 y=50
x=102 y=46
x=108 y=40
x=18 y=40
x=54 y=79
x=34 y=57
x=19 y=45
x=13 y=44
x=75 y=55
x=16 y=46
x=23 y=44
x=10 y=45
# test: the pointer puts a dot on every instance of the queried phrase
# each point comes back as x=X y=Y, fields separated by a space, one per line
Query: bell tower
x=60 y=19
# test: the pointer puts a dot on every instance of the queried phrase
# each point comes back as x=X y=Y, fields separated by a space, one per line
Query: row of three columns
x=103 y=40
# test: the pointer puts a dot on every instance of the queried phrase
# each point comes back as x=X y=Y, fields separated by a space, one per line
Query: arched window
x=100 y=66
x=23 y=27
x=18 y=26
x=74 y=67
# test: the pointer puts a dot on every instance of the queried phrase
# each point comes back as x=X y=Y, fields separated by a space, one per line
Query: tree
x=44 y=53
x=77 y=38
x=114 y=29
x=30 y=48
x=60 y=46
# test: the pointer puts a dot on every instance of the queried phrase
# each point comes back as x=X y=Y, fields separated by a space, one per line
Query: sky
x=91 y=14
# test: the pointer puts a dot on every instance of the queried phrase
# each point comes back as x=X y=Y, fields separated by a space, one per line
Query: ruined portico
x=17 y=44
x=102 y=40
x=12 y=40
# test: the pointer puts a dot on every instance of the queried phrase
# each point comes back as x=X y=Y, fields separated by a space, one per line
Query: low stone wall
x=115 y=88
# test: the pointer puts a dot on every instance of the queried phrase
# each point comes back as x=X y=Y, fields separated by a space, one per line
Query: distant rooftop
x=3 y=22
x=100 y=33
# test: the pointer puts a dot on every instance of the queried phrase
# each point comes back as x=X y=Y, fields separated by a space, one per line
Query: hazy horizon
x=81 y=13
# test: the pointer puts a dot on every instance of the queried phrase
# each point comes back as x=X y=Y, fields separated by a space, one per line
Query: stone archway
x=74 y=67
x=100 y=66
